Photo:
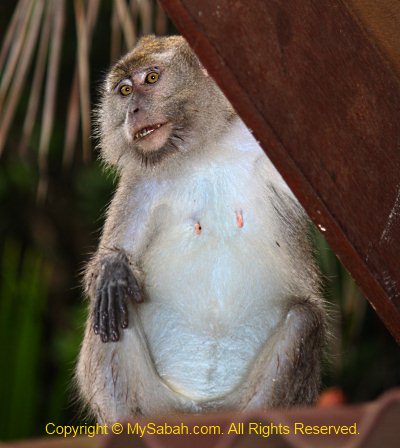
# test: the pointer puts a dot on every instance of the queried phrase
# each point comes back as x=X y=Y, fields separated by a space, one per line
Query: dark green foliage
x=364 y=358
x=24 y=293
x=42 y=310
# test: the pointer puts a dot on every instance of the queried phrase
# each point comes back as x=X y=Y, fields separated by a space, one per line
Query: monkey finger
x=96 y=313
x=134 y=290
x=122 y=308
x=112 y=312
x=104 y=316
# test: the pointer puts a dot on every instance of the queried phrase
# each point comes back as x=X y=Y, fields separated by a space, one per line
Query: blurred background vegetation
x=53 y=194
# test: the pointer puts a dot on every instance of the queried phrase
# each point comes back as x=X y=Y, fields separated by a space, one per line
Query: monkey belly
x=213 y=301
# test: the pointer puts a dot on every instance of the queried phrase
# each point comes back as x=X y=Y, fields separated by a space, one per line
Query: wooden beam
x=381 y=20
x=324 y=103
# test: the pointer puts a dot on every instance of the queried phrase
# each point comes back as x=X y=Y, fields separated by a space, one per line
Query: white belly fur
x=213 y=297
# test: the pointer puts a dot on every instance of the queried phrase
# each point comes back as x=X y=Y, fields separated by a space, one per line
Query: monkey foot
x=116 y=284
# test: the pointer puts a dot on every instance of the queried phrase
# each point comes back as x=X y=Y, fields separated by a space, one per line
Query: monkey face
x=158 y=102
x=147 y=127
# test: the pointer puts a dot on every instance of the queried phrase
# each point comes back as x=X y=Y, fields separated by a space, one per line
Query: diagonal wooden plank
x=325 y=105
x=381 y=19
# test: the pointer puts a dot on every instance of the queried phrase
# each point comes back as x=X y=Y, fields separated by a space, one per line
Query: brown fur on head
x=180 y=110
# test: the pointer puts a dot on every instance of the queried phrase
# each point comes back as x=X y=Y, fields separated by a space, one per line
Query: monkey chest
x=212 y=294
x=211 y=280
x=222 y=206
x=218 y=212
x=216 y=235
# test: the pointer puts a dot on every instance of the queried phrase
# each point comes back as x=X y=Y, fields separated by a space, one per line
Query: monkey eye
x=151 y=78
x=125 y=89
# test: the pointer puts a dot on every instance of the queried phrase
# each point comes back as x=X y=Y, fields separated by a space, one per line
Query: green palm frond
x=23 y=290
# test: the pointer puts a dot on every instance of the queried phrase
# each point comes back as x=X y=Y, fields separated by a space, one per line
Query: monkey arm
x=113 y=276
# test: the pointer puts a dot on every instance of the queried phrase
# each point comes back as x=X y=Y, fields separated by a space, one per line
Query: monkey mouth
x=150 y=139
x=144 y=132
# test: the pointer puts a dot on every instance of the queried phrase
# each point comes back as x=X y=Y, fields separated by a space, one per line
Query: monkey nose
x=135 y=117
x=133 y=110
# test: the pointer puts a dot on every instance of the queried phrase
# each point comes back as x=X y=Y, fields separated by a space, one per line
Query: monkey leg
x=119 y=380
x=287 y=370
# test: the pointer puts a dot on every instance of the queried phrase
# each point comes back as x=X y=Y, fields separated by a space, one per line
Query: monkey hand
x=116 y=284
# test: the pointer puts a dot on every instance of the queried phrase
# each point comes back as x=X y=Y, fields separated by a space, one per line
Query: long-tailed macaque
x=204 y=295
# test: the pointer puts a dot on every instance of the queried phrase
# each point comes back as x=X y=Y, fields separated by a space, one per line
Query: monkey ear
x=204 y=70
x=201 y=66
x=190 y=56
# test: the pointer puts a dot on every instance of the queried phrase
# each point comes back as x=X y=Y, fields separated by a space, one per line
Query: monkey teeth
x=146 y=131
